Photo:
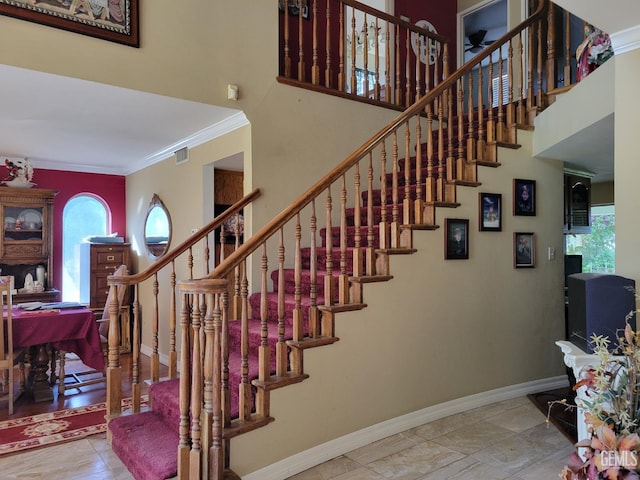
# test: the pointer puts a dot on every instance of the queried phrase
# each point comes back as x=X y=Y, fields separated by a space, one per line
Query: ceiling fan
x=477 y=41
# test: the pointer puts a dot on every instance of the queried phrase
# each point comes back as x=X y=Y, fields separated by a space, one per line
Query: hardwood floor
x=88 y=395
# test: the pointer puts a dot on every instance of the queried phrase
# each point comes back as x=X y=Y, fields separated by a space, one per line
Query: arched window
x=84 y=215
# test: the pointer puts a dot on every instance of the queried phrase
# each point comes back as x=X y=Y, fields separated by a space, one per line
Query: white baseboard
x=334 y=448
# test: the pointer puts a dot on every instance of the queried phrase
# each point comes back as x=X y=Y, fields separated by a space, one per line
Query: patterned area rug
x=48 y=429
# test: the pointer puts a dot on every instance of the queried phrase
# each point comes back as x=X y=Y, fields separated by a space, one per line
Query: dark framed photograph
x=524 y=250
x=456 y=239
x=490 y=212
x=116 y=21
x=524 y=197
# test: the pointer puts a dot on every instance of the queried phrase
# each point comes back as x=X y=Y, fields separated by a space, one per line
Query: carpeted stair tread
x=132 y=439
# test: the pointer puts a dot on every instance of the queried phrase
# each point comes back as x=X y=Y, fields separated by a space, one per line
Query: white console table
x=577 y=360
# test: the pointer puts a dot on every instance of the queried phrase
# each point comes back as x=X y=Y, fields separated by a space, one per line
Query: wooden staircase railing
x=165 y=265
x=238 y=344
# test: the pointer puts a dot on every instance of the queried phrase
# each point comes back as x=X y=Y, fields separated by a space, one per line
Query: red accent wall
x=442 y=15
x=110 y=188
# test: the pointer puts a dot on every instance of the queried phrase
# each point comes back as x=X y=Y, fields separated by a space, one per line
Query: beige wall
x=438 y=331
x=627 y=103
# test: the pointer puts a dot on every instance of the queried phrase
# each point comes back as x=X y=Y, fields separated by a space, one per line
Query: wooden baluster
x=365 y=59
x=222 y=384
x=418 y=204
x=213 y=369
x=315 y=67
x=471 y=136
x=460 y=160
x=343 y=279
x=183 y=428
x=195 y=455
x=298 y=316
x=481 y=144
x=500 y=134
x=370 y=256
x=430 y=186
x=567 y=49
x=328 y=279
x=491 y=126
x=451 y=176
x=173 y=309
x=135 y=353
x=301 y=64
x=354 y=41
x=530 y=76
x=376 y=87
x=342 y=83
x=244 y=388
x=281 y=346
x=510 y=111
x=287 y=52
x=327 y=72
x=398 y=99
x=155 y=356
x=384 y=229
x=407 y=70
x=407 y=201
x=387 y=73
x=539 y=93
x=520 y=110
x=441 y=159
x=427 y=68
x=418 y=69
x=264 y=354
x=314 y=320
x=357 y=221
x=551 y=47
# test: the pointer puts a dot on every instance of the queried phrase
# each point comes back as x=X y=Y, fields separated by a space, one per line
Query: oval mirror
x=157 y=228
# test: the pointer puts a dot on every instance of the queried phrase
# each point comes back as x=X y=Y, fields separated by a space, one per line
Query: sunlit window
x=598 y=248
x=83 y=216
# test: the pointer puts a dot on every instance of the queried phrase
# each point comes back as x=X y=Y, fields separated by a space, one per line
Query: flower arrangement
x=20 y=170
x=612 y=412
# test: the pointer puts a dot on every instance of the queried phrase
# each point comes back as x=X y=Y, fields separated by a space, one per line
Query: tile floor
x=506 y=440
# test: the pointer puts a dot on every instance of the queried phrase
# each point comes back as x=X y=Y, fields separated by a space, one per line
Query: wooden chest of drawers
x=97 y=262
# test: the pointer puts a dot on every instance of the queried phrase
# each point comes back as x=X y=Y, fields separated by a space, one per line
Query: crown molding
x=626 y=40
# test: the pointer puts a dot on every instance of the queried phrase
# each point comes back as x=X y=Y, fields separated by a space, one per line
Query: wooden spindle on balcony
x=430 y=184
x=354 y=41
x=551 y=67
x=376 y=87
x=460 y=160
x=471 y=137
x=387 y=73
x=398 y=87
x=328 y=73
x=286 y=47
x=301 y=62
x=315 y=66
x=407 y=69
x=173 y=309
x=567 y=49
x=314 y=314
x=481 y=144
x=491 y=124
x=365 y=56
x=441 y=175
x=450 y=162
x=341 y=51
x=418 y=68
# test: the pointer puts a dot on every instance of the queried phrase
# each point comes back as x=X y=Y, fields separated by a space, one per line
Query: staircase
x=293 y=278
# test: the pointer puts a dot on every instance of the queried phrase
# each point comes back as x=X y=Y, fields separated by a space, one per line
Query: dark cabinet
x=577 y=204
x=97 y=262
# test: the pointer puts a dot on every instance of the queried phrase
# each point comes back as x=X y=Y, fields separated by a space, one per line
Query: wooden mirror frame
x=158 y=248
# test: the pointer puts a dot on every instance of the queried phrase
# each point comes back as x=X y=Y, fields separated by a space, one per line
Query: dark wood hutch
x=26 y=245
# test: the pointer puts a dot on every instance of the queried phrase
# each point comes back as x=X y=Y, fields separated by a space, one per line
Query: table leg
x=38 y=379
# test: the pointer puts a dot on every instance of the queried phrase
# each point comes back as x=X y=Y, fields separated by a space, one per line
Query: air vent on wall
x=182 y=155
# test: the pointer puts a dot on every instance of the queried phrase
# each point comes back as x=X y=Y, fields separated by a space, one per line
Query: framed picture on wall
x=490 y=212
x=524 y=250
x=456 y=239
x=114 y=21
x=524 y=197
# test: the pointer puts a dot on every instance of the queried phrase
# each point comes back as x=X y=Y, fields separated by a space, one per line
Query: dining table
x=46 y=331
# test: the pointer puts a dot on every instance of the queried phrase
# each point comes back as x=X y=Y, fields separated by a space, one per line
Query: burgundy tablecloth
x=71 y=330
